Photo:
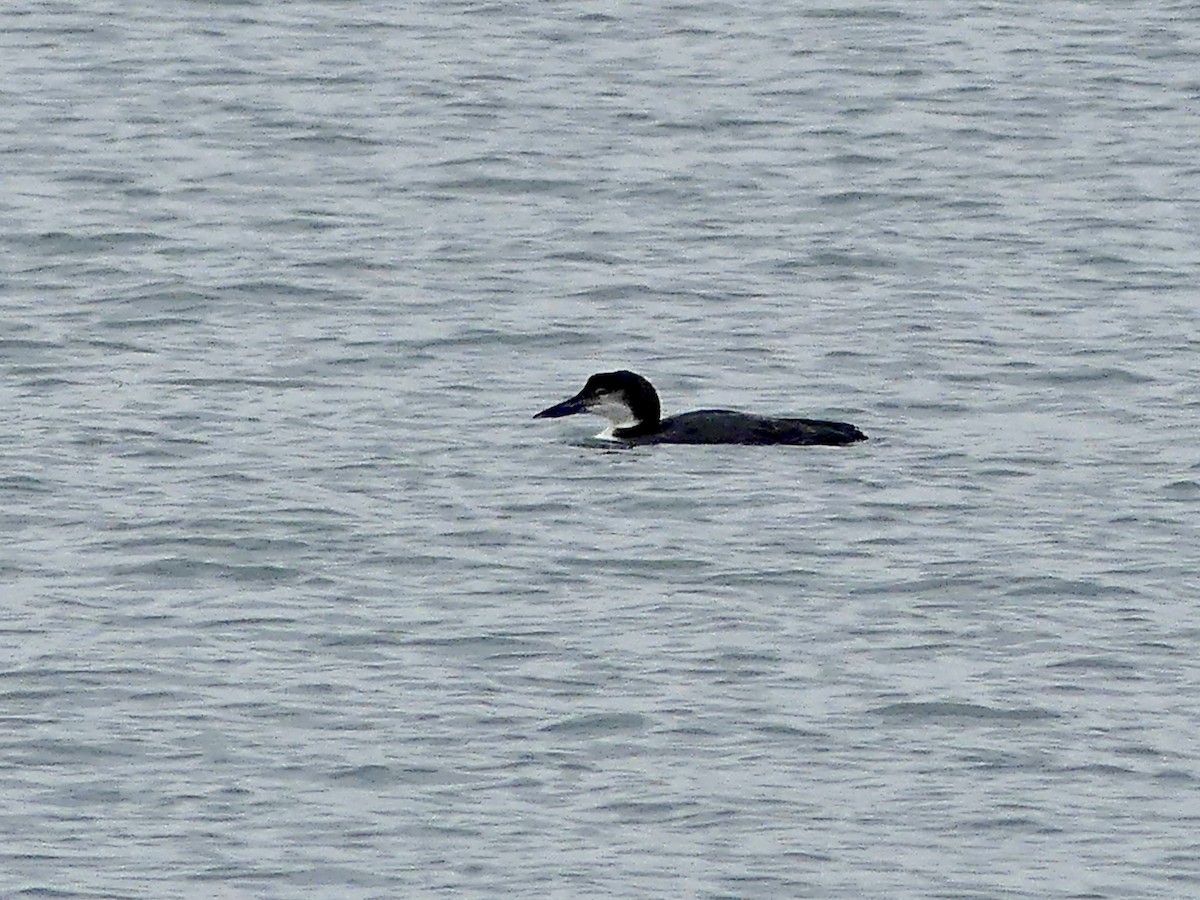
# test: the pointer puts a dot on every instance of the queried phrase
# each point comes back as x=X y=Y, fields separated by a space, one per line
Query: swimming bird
x=634 y=414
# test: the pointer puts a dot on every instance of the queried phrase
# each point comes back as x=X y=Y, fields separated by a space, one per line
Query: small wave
x=1091 y=375
x=1185 y=489
x=1022 y=824
x=1091 y=662
x=23 y=484
x=952 y=710
x=598 y=724
x=183 y=567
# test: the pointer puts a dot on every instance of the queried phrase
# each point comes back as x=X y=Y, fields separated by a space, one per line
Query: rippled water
x=299 y=602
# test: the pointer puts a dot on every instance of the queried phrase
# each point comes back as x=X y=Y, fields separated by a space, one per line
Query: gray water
x=299 y=602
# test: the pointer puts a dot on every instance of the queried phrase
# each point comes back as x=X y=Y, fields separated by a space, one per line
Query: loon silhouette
x=630 y=404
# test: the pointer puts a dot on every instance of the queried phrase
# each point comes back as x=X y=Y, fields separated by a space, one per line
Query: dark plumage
x=631 y=405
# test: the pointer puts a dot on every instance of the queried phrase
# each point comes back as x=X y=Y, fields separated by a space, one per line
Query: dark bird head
x=626 y=399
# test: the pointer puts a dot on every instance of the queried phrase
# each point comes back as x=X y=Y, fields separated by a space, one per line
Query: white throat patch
x=619 y=415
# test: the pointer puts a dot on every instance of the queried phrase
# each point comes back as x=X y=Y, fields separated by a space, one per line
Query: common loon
x=630 y=404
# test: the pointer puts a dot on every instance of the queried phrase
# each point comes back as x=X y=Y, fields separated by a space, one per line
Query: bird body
x=631 y=405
